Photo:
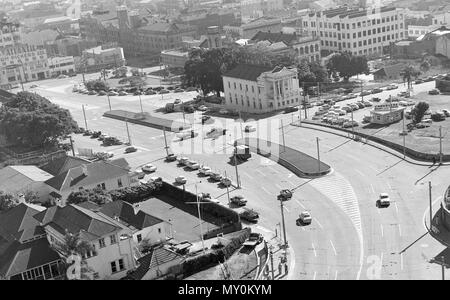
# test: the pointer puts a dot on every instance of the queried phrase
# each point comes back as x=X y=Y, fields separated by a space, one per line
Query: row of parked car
x=106 y=140
x=132 y=91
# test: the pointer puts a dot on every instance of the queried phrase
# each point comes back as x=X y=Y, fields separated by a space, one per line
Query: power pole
x=71 y=145
x=404 y=133
x=443 y=267
x=200 y=220
x=299 y=115
x=440 y=145
x=353 y=127
x=318 y=152
x=128 y=133
x=431 y=204
x=84 y=115
x=282 y=132
x=165 y=141
x=109 y=101
x=236 y=166
x=362 y=90
x=140 y=101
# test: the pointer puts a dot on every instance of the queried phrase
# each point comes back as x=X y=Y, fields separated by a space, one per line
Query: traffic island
x=145 y=119
x=295 y=161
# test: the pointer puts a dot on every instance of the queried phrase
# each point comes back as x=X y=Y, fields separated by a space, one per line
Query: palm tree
x=74 y=245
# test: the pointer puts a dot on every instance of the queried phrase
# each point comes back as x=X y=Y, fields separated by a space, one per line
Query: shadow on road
x=299 y=186
x=431 y=171
x=409 y=246
x=390 y=167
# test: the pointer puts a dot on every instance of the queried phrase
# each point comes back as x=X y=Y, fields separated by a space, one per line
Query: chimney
x=21 y=198
x=84 y=170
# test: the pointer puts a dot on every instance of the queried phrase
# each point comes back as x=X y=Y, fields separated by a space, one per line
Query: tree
x=31 y=120
x=347 y=65
x=7 y=201
x=418 y=112
x=408 y=73
x=120 y=72
x=425 y=66
x=98 y=196
x=97 y=85
x=135 y=72
x=74 y=245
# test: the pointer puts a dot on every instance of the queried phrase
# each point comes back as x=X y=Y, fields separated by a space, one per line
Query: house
x=144 y=226
x=158 y=263
x=107 y=175
x=261 y=89
x=112 y=244
x=63 y=164
x=19 y=180
x=25 y=253
x=389 y=72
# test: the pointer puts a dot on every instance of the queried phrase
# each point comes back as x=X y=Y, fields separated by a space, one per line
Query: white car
x=202 y=108
x=305 y=217
x=183 y=160
x=193 y=165
x=149 y=168
x=384 y=199
x=392 y=87
x=223 y=111
x=249 y=128
x=205 y=170
x=140 y=174
x=180 y=179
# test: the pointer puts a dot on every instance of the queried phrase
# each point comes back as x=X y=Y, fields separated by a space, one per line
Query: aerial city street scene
x=257 y=140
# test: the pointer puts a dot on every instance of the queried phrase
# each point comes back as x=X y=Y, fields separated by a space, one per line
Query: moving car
x=384 y=200
x=305 y=217
x=130 y=149
x=180 y=179
x=187 y=134
x=238 y=200
x=202 y=108
x=149 y=168
x=249 y=215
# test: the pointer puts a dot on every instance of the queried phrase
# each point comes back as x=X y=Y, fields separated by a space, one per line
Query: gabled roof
x=274 y=37
x=32 y=173
x=125 y=212
x=247 y=72
x=18 y=223
x=63 y=164
x=156 y=257
x=75 y=219
x=391 y=71
x=89 y=174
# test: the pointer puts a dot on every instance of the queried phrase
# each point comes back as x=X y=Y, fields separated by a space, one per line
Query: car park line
x=332 y=246
x=314 y=250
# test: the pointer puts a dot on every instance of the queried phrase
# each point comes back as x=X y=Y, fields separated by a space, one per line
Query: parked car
x=205 y=118
x=178 y=91
x=101 y=93
x=376 y=99
x=446 y=112
x=163 y=92
x=251 y=216
x=189 y=109
x=428 y=79
x=238 y=200
x=202 y=108
x=392 y=86
x=183 y=160
x=418 y=81
x=130 y=149
x=249 y=128
x=110 y=141
x=223 y=111
x=360 y=105
x=438 y=116
x=367 y=119
x=113 y=93
x=349 y=124
x=422 y=125
x=191 y=89
x=122 y=93
x=180 y=179
x=383 y=200
x=216 y=176
x=187 y=134
x=171 y=157
x=365 y=93
x=140 y=173
x=205 y=171
x=434 y=92
x=366 y=103
x=96 y=134
x=150 y=92
x=377 y=91
x=305 y=217
x=92 y=92
x=177 y=101
x=149 y=168
x=225 y=181
x=193 y=165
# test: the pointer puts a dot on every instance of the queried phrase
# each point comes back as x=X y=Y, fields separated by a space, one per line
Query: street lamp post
x=84 y=115
x=318 y=153
x=140 y=101
x=440 y=145
x=236 y=166
x=281 y=198
x=109 y=101
x=128 y=132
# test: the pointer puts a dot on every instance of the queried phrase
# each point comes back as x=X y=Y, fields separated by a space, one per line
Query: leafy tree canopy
x=347 y=65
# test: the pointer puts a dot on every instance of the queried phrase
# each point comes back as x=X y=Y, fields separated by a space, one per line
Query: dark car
x=111 y=141
x=130 y=149
x=189 y=109
x=96 y=134
x=171 y=157
x=249 y=215
x=290 y=109
x=377 y=90
x=205 y=118
x=418 y=81
x=238 y=200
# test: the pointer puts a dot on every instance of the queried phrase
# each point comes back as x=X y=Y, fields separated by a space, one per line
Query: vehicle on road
x=349 y=124
x=130 y=149
x=418 y=81
x=392 y=86
x=367 y=119
x=225 y=181
x=111 y=141
x=365 y=93
x=171 y=157
x=163 y=92
x=254 y=239
x=216 y=176
x=305 y=217
x=285 y=194
x=122 y=93
x=177 y=101
x=205 y=118
x=189 y=109
x=249 y=128
x=238 y=200
x=101 y=93
x=251 y=216
x=149 y=168
x=33 y=86
x=384 y=200
x=242 y=152
x=187 y=134
x=183 y=160
x=112 y=93
x=422 y=125
x=140 y=174
x=360 y=105
x=150 y=92
x=446 y=112
x=403 y=94
x=223 y=111
x=205 y=171
x=178 y=91
x=438 y=116
x=62 y=76
x=434 y=92
x=366 y=103
x=215 y=132
x=202 y=108
x=376 y=99
x=377 y=90
x=96 y=134
x=193 y=165
x=180 y=179
x=292 y=109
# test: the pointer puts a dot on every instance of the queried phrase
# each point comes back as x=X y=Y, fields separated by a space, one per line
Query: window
x=102 y=243
x=229 y=85
x=119 y=182
x=113 y=239
x=113 y=267
x=139 y=238
x=359 y=34
x=121 y=265
x=159 y=230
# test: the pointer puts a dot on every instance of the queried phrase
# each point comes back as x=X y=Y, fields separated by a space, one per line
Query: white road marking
x=381 y=263
x=264 y=189
x=261 y=173
x=382 y=232
x=314 y=250
x=360 y=173
x=390 y=187
x=399 y=229
x=286 y=209
x=336 y=275
x=314 y=277
x=371 y=187
x=396 y=207
x=332 y=246
x=318 y=223
x=300 y=203
x=246 y=174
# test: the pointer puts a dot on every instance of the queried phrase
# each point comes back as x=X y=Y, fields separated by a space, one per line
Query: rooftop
x=247 y=72
x=63 y=164
x=274 y=37
x=32 y=172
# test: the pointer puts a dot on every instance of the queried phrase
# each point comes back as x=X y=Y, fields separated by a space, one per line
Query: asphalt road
x=349 y=238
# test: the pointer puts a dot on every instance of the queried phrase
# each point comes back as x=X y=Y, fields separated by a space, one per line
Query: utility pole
x=299 y=115
x=318 y=152
x=140 y=101
x=84 y=115
x=404 y=134
x=109 y=101
x=431 y=204
x=165 y=141
x=440 y=145
x=236 y=166
x=282 y=220
x=228 y=190
x=240 y=124
x=271 y=263
x=443 y=267
x=200 y=219
x=128 y=133
x=71 y=145
x=353 y=127
x=282 y=132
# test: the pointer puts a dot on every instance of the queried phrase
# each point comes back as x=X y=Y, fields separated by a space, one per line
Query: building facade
x=259 y=89
x=248 y=30
x=358 y=31
x=22 y=63
x=175 y=58
x=10 y=33
x=386 y=113
x=61 y=65
x=98 y=58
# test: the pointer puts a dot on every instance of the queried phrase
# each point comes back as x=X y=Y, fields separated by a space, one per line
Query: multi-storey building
x=10 y=33
x=61 y=65
x=261 y=89
x=248 y=30
x=22 y=63
x=98 y=58
x=252 y=8
x=358 y=31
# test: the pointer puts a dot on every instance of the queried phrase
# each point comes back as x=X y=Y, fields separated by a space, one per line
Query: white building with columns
x=260 y=89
